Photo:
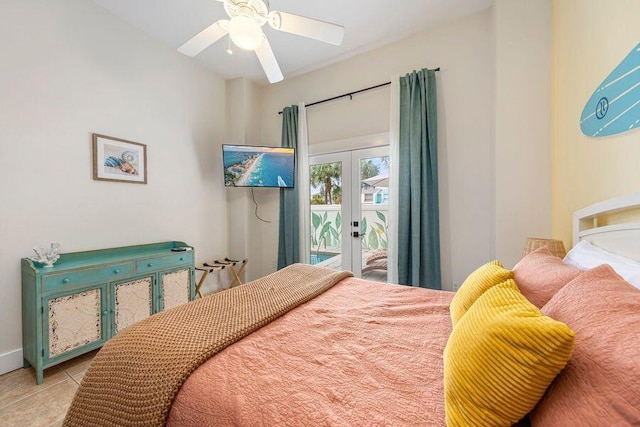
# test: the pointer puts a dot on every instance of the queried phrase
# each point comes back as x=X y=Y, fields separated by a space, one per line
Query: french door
x=350 y=210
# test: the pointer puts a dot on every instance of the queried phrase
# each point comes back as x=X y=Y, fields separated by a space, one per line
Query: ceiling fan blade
x=268 y=61
x=307 y=27
x=205 y=38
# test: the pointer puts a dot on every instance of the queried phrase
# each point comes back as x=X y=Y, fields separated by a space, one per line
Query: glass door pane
x=349 y=197
x=327 y=211
x=372 y=168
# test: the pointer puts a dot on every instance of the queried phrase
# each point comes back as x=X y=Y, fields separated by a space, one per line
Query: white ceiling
x=368 y=25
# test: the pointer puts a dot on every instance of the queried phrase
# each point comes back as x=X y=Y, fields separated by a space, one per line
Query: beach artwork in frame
x=116 y=159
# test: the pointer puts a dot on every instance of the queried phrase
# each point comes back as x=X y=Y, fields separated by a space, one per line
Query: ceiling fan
x=245 y=30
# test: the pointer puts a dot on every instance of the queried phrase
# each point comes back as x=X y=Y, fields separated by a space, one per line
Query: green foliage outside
x=368 y=169
x=326 y=231
x=327 y=176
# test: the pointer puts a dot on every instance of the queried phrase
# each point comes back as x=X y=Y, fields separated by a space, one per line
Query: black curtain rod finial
x=350 y=94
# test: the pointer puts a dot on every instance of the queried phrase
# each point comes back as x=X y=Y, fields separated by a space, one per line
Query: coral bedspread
x=361 y=353
x=135 y=377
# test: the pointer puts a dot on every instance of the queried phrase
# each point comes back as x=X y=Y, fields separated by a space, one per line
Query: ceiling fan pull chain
x=229 y=51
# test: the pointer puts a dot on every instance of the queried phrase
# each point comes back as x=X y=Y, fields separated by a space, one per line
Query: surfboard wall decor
x=615 y=105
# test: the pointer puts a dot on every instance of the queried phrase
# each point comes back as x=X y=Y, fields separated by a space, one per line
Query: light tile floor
x=23 y=403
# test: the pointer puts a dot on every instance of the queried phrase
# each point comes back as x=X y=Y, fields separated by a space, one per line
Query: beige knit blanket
x=135 y=377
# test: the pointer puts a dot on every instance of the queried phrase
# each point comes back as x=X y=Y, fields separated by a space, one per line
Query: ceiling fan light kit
x=245 y=30
x=245 y=33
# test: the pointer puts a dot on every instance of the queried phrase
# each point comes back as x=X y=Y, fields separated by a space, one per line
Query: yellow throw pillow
x=475 y=285
x=500 y=359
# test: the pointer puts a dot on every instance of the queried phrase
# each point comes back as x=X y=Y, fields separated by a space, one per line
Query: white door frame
x=351 y=206
x=345 y=210
x=356 y=205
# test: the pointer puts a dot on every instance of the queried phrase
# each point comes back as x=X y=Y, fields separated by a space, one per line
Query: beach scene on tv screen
x=248 y=166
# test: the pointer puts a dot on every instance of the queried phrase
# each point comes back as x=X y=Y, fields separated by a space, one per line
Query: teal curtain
x=289 y=237
x=418 y=210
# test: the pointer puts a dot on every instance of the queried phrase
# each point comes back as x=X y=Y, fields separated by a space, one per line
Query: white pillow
x=585 y=256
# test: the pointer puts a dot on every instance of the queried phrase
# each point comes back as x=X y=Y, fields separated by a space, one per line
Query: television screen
x=251 y=166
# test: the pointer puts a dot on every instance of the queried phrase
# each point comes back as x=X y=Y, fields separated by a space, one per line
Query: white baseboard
x=10 y=361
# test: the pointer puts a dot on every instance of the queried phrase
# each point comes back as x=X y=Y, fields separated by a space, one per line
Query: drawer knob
x=150 y=265
x=65 y=280
x=105 y=312
x=116 y=271
x=181 y=259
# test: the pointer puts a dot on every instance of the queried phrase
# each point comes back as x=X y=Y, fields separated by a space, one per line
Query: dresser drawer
x=162 y=262
x=87 y=276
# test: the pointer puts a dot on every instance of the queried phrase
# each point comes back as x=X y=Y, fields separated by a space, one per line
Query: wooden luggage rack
x=219 y=265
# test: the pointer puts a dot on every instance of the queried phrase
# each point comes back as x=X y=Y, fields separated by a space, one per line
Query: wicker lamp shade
x=556 y=247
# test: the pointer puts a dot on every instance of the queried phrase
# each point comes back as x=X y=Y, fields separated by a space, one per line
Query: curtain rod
x=350 y=94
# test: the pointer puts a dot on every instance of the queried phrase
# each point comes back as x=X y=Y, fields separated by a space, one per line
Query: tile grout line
x=71 y=376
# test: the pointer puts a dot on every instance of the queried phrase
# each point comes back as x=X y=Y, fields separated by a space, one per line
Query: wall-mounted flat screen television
x=252 y=166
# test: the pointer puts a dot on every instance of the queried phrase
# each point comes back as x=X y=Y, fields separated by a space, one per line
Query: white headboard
x=623 y=237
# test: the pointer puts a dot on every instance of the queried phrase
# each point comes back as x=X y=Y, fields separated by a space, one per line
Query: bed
x=310 y=346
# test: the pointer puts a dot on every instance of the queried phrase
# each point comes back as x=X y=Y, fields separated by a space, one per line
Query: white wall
x=241 y=116
x=464 y=52
x=523 y=124
x=68 y=69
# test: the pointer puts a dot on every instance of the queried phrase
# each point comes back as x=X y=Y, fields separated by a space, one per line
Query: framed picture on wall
x=116 y=159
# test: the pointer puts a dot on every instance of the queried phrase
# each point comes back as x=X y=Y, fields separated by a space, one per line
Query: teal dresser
x=87 y=297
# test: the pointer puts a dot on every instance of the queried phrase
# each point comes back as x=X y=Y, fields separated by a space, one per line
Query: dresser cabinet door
x=132 y=302
x=74 y=321
x=175 y=288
